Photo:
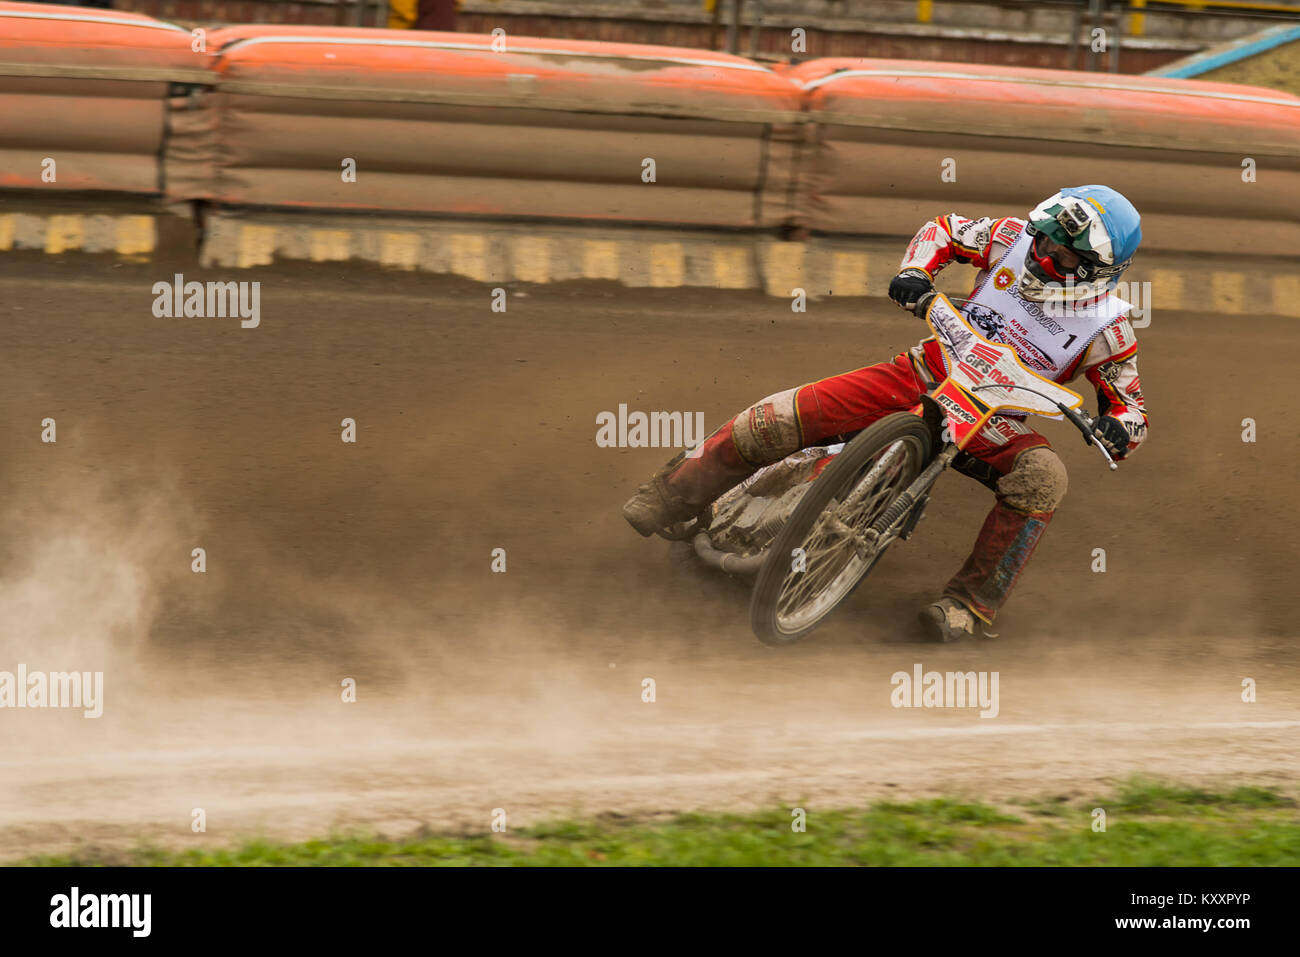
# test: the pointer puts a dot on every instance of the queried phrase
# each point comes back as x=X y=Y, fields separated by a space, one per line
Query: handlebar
x=1078 y=419
x=1084 y=424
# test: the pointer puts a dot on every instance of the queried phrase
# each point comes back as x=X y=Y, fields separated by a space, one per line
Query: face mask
x=1045 y=262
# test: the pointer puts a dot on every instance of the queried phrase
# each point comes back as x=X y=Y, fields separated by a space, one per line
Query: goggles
x=1051 y=263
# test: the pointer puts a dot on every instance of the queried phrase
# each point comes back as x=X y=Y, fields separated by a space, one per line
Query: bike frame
x=977 y=365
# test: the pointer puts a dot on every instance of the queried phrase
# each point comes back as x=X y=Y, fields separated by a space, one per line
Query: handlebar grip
x=1084 y=425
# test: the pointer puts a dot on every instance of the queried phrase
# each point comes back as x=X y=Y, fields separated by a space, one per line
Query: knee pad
x=769 y=429
x=1036 y=483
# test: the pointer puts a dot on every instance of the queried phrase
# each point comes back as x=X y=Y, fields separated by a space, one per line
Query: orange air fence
x=457 y=125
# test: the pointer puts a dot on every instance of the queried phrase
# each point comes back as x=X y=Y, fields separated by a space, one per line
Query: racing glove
x=1111 y=433
x=909 y=286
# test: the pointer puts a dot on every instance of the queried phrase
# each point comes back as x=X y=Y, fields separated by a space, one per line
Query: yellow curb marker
x=730 y=267
x=784 y=264
x=256 y=245
x=400 y=250
x=1166 y=290
x=469 y=256
x=531 y=258
x=134 y=236
x=330 y=245
x=599 y=259
x=1286 y=296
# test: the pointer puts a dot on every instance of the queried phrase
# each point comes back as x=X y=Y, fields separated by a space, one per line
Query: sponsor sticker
x=1007 y=233
x=966 y=414
x=1000 y=431
x=981 y=364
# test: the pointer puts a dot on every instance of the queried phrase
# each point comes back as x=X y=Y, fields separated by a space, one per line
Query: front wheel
x=824 y=550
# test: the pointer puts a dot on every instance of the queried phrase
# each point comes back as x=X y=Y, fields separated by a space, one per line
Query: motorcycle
x=809 y=528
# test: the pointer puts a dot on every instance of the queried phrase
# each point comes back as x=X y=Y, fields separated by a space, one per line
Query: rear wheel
x=795 y=591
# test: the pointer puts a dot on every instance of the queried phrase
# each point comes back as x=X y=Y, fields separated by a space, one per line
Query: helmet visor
x=1054 y=259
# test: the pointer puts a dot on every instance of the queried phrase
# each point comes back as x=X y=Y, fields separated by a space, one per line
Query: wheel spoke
x=809 y=583
x=835 y=554
x=820 y=566
x=800 y=586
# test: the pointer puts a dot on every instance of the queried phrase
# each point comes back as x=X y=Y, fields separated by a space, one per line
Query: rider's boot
x=981 y=587
x=1027 y=497
x=688 y=484
x=948 y=620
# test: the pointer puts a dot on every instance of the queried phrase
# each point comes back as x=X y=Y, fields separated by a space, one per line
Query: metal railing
x=358 y=12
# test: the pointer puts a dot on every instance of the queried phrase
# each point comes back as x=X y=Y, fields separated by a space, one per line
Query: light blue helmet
x=1096 y=222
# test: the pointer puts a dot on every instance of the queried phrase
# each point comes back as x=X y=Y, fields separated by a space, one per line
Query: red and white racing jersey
x=1109 y=358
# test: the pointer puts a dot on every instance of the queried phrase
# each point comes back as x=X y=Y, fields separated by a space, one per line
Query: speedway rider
x=1045 y=287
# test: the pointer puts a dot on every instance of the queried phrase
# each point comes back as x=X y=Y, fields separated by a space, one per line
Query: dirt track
x=522 y=690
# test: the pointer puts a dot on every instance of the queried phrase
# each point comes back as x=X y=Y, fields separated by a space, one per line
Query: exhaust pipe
x=726 y=561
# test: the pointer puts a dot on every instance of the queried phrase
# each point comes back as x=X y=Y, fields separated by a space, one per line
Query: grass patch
x=1149 y=823
x=1145 y=796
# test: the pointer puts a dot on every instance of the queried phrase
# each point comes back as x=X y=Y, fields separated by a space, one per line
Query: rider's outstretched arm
x=1110 y=364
